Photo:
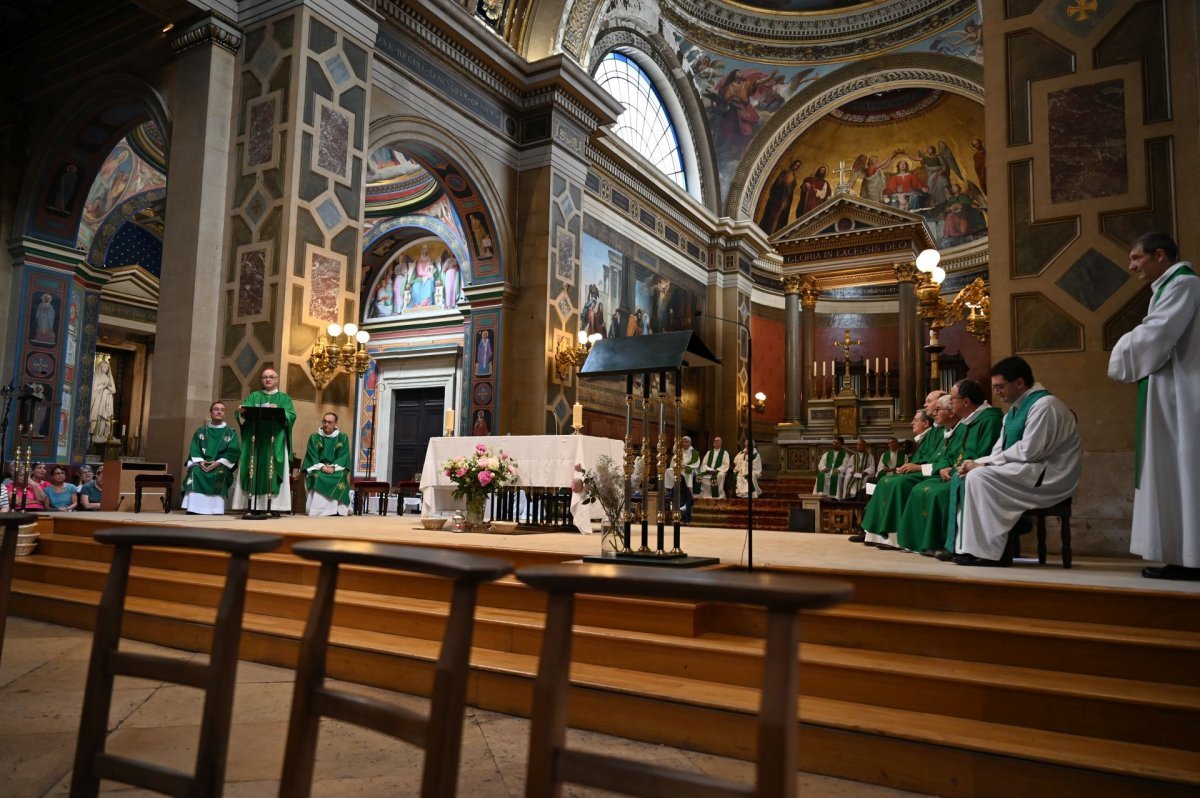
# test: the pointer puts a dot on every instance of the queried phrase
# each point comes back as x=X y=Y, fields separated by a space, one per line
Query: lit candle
x=577 y=415
x=448 y=424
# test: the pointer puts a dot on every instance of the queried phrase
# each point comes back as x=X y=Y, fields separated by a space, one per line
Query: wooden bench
x=364 y=489
x=164 y=481
x=215 y=678
x=552 y=763
x=439 y=733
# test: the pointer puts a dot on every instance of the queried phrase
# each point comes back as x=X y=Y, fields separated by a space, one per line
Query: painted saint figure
x=483 y=354
x=43 y=321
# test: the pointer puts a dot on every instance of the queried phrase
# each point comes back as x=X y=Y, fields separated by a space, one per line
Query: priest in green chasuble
x=326 y=469
x=829 y=469
x=923 y=525
x=886 y=507
x=713 y=468
x=272 y=467
x=212 y=457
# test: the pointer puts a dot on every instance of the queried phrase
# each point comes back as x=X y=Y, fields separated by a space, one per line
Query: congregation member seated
x=1035 y=463
x=884 y=512
x=60 y=494
x=857 y=470
x=829 y=469
x=930 y=505
x=25 y=495
x=90 y=487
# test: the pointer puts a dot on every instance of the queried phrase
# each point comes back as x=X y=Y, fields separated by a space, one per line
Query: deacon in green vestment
x=890 y=460
x=886 y=507
x=923 y=525
x=829 y=469
x=272 y=467
x=327 y=469
x=212 y=457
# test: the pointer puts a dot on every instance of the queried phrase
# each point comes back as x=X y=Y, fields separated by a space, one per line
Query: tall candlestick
x=577 y=416
x=448 y=423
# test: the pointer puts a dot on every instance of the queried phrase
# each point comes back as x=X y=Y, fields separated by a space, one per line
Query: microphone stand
x=749 y=435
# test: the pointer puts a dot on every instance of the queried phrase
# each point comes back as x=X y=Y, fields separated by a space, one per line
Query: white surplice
x=1166 y=348
x=739 y=468
x=713 y=469
x=1039 y=470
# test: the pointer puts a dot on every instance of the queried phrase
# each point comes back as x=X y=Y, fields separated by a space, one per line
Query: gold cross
x=846 y=344
x=1082 y=8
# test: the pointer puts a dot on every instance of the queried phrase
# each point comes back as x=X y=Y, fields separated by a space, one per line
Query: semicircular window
x=644 y=124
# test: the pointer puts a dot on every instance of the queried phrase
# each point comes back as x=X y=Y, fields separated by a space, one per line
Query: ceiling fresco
x=804 y=5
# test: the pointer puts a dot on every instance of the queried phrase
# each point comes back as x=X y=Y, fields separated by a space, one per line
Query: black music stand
x=259 y=425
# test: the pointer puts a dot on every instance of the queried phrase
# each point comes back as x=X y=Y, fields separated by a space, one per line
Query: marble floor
x=41 y=692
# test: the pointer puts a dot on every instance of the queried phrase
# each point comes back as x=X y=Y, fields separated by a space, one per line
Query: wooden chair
x=551 y=763
x=364 y=489
x=440 y=734
x=8 y=556
x=216 y=678
x=1061 y=511
x=165 y=481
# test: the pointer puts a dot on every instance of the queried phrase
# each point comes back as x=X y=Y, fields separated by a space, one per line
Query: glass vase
x=474 y=518
x=612 y=539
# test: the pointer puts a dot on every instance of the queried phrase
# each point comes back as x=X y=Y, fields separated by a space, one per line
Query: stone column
x=194 y=234
x=910 y=342
x=808 y=322
x=793 y=390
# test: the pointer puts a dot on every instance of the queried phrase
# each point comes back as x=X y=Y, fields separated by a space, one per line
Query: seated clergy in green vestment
x=272 y=466
x=890 y=460
x=923 y=526
x=829 y=469
x=886 y=507
x=211 y=459
x=326 y=469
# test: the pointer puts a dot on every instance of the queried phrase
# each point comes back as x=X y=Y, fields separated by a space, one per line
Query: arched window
x=644 y=124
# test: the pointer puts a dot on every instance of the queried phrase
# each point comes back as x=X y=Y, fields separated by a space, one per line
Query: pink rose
x=447 y=472
x=480 y=448
x=462 y=472
x=579 y=466
x=485 y=477
x=577 y=485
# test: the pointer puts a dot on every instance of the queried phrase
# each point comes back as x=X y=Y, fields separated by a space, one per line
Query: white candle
x=449 y=420
x=577 y=415
x=822 y=368
x=885 y=364
x=876 y=365
x=867 y=364
x=122 y=430
x=814 y=368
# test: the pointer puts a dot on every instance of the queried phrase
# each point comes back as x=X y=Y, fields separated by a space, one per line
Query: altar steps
x=897 y=690
x=770 y=514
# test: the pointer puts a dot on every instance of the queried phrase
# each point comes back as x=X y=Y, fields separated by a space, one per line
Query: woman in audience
x=89 y=488
x=25 y=495
x=60 y=494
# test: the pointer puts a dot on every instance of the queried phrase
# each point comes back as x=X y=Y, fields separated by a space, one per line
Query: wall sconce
x=568 y=357
x=329 y=353
x=760 y=402
x=973 y=299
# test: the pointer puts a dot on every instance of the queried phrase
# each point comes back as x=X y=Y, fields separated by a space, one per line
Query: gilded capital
x=905 y=272
x=793 y=284
x=809 y=295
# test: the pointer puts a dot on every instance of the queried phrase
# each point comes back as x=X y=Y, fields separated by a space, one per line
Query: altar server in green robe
x=886 y=507
x=272 y=467
x=923 y=525
x=212 y=458
x=326 y=469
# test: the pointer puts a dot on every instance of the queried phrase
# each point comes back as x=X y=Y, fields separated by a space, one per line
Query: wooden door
x=416 y=417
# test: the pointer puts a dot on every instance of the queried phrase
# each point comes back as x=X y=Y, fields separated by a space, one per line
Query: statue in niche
x=104 y=389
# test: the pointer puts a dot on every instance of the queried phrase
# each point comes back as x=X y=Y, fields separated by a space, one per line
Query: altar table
x=543 y=461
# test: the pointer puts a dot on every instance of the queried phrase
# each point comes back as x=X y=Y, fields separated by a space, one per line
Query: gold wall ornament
x=339 y=347
x=973 y=300
x=569 y=357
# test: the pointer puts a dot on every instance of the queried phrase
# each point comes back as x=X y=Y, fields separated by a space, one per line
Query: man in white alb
x=713 y=468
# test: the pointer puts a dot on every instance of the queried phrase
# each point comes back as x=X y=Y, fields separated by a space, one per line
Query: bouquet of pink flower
x=479 y=474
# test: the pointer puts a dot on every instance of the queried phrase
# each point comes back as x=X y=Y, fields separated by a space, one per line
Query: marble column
x=194 y=248
x=793 y=390
x=910 y=342
x=808 y=323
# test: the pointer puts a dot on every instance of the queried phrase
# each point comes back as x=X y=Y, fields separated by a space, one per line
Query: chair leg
x=137 y=499
x=305 y=722
x=1041 y=533
x=443 y=740
x=548 y=722
x=1066 y=540
x=97 y=696
x=778 y=728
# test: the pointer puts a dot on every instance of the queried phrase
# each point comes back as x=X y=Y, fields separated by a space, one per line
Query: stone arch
x=82 y=134
x=464 y=180
x=850 y=82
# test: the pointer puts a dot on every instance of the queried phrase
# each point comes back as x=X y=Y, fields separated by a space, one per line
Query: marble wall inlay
x=1092 y=279
x=252 y=270
x=1088 y=142
x=260 y=133
x=324 y=287
x=333 y=141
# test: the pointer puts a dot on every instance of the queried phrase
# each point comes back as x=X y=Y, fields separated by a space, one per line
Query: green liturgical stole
x=1139 y=433
x=1014 y=425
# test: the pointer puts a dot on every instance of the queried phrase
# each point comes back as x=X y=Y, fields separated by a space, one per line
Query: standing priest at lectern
x=270 y=465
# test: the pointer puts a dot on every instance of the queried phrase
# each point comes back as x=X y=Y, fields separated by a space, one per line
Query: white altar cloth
x=543 y=461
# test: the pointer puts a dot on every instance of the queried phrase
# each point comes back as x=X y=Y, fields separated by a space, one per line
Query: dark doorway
x=416 y=417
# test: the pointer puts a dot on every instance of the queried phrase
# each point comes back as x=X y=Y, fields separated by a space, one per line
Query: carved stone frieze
x=213 y=29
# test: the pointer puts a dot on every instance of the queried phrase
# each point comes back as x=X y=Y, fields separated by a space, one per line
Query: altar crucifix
x=845 y=346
